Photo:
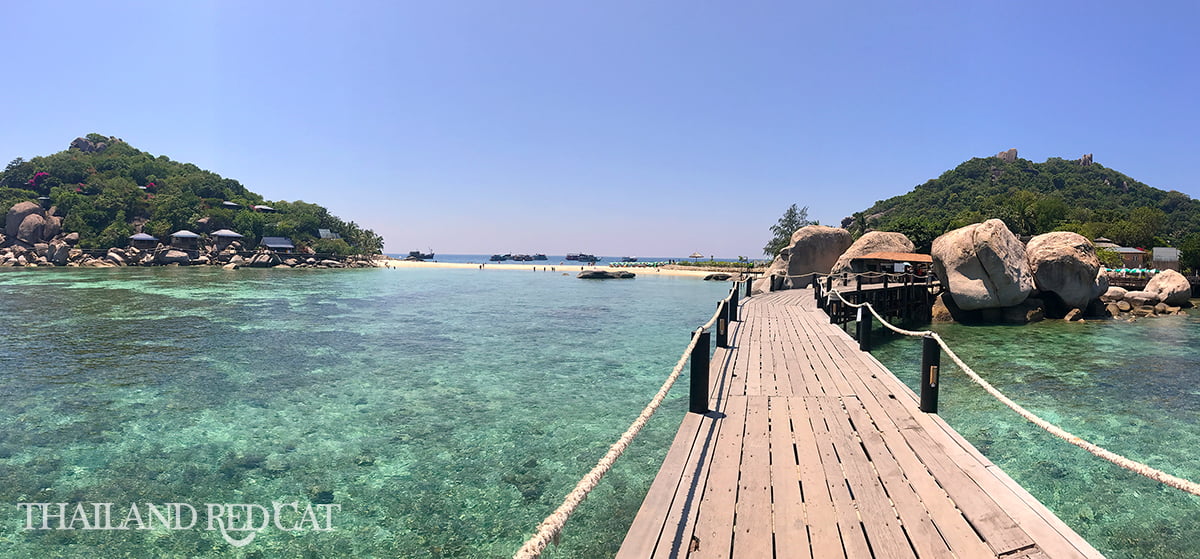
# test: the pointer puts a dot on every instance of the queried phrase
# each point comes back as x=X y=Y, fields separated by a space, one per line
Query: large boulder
x=1065 y=263
x=60 y=253
x=875 y=241
x=1141 y=298
x=16 y=216
x=32 y=229
x=1170 y=287
x=173 y=257
x=983 y=265
x=814 y=248
x=1114 y=294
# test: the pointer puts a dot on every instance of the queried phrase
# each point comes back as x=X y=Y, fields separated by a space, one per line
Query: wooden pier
x=814 y=449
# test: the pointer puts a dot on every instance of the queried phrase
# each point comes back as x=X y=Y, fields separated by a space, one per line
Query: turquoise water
x=1129 y=387
x=445 y=412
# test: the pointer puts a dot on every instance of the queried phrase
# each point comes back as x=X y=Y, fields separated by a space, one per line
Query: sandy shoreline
x=560 y=268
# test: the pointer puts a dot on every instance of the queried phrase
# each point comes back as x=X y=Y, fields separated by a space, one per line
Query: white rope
x=1096 y=450
x=550 y=528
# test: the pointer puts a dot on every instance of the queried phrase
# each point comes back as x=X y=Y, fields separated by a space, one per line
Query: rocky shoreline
x=33 y=237
x=990 y=276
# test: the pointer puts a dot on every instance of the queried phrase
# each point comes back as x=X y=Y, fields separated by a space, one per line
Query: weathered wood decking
x=816 y=450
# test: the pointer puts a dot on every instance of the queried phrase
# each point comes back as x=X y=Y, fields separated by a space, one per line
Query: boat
x=628 y=259
x=522 y=258
x=539 y=257
x=418 y=255
x=500 y=257
x=583 y=257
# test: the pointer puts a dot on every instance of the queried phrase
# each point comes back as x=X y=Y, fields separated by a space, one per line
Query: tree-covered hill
x=106 y=190
x=1034 y=198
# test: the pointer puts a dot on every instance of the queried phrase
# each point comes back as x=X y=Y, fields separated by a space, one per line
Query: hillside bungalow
x=224 y=236
x=277 y=244
x=231 y=205
x=263 y=209
x=892 y=263
x=143 y=241
x=327 y=234
x=185 y=240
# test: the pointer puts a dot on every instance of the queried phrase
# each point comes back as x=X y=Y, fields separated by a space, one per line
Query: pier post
x=699 y=382
x=749 y=285
x=931 y=361
x=723 y=323
x=864 y=329
x=733 y=304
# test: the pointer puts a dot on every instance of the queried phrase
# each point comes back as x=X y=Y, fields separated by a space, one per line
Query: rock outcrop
x=814 y=248
x=874 y=241
x=1065 y=264
x=1170 y=287
x=1008 y=156
x=17 y=215
x=983 y=265
x=1114 y=294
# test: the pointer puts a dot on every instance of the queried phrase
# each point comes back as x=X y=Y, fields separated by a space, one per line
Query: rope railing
x=1096 y=450
x=550 y=528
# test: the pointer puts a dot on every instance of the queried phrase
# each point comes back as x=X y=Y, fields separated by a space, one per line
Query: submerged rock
x=605 y=274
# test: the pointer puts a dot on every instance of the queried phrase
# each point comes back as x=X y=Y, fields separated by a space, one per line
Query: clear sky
x=617 y=127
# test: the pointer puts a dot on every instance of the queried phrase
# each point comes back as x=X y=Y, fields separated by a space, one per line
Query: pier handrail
x=1096 y=450
x=550 y=528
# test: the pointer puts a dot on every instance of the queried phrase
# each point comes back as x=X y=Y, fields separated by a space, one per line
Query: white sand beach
x=563 y=268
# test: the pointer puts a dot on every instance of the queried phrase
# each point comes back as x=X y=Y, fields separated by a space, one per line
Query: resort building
x=1131 y=257
x=185 y=240
x=892 y=263
x=1165 y=258
x=277 y=244
x=224 y=237
x=143 y=241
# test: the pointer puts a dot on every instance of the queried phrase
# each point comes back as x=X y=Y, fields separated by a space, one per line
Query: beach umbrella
x=695 y=255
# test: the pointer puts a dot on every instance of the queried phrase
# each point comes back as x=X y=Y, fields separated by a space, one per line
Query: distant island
x=102 y=196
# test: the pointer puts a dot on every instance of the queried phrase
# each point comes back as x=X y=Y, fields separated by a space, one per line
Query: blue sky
x=643 y=127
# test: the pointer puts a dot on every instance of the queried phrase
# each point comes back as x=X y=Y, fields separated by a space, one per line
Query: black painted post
x=699 y=387
x=865 y=322
x=931 y=361
x=733 y=304
x=749 y=285
x=723 y=323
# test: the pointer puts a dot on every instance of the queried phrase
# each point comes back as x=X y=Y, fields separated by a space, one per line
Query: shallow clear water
x=445 y=411
x=1131 y=388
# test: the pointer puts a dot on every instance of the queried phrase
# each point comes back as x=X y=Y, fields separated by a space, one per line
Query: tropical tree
x=794 y=218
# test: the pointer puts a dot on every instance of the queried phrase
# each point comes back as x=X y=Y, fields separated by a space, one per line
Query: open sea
x=445 y=412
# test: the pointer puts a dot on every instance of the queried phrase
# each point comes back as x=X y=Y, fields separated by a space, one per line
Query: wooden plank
x=883 y=529
x=752 y=530
x=713 y=535
x=907 y=480
x=648 y=524
x=791 y=534
x=845 y=509
x=818 y=503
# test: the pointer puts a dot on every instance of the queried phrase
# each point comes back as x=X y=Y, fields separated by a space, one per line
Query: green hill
x=1034 y=198
x=106 y=190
